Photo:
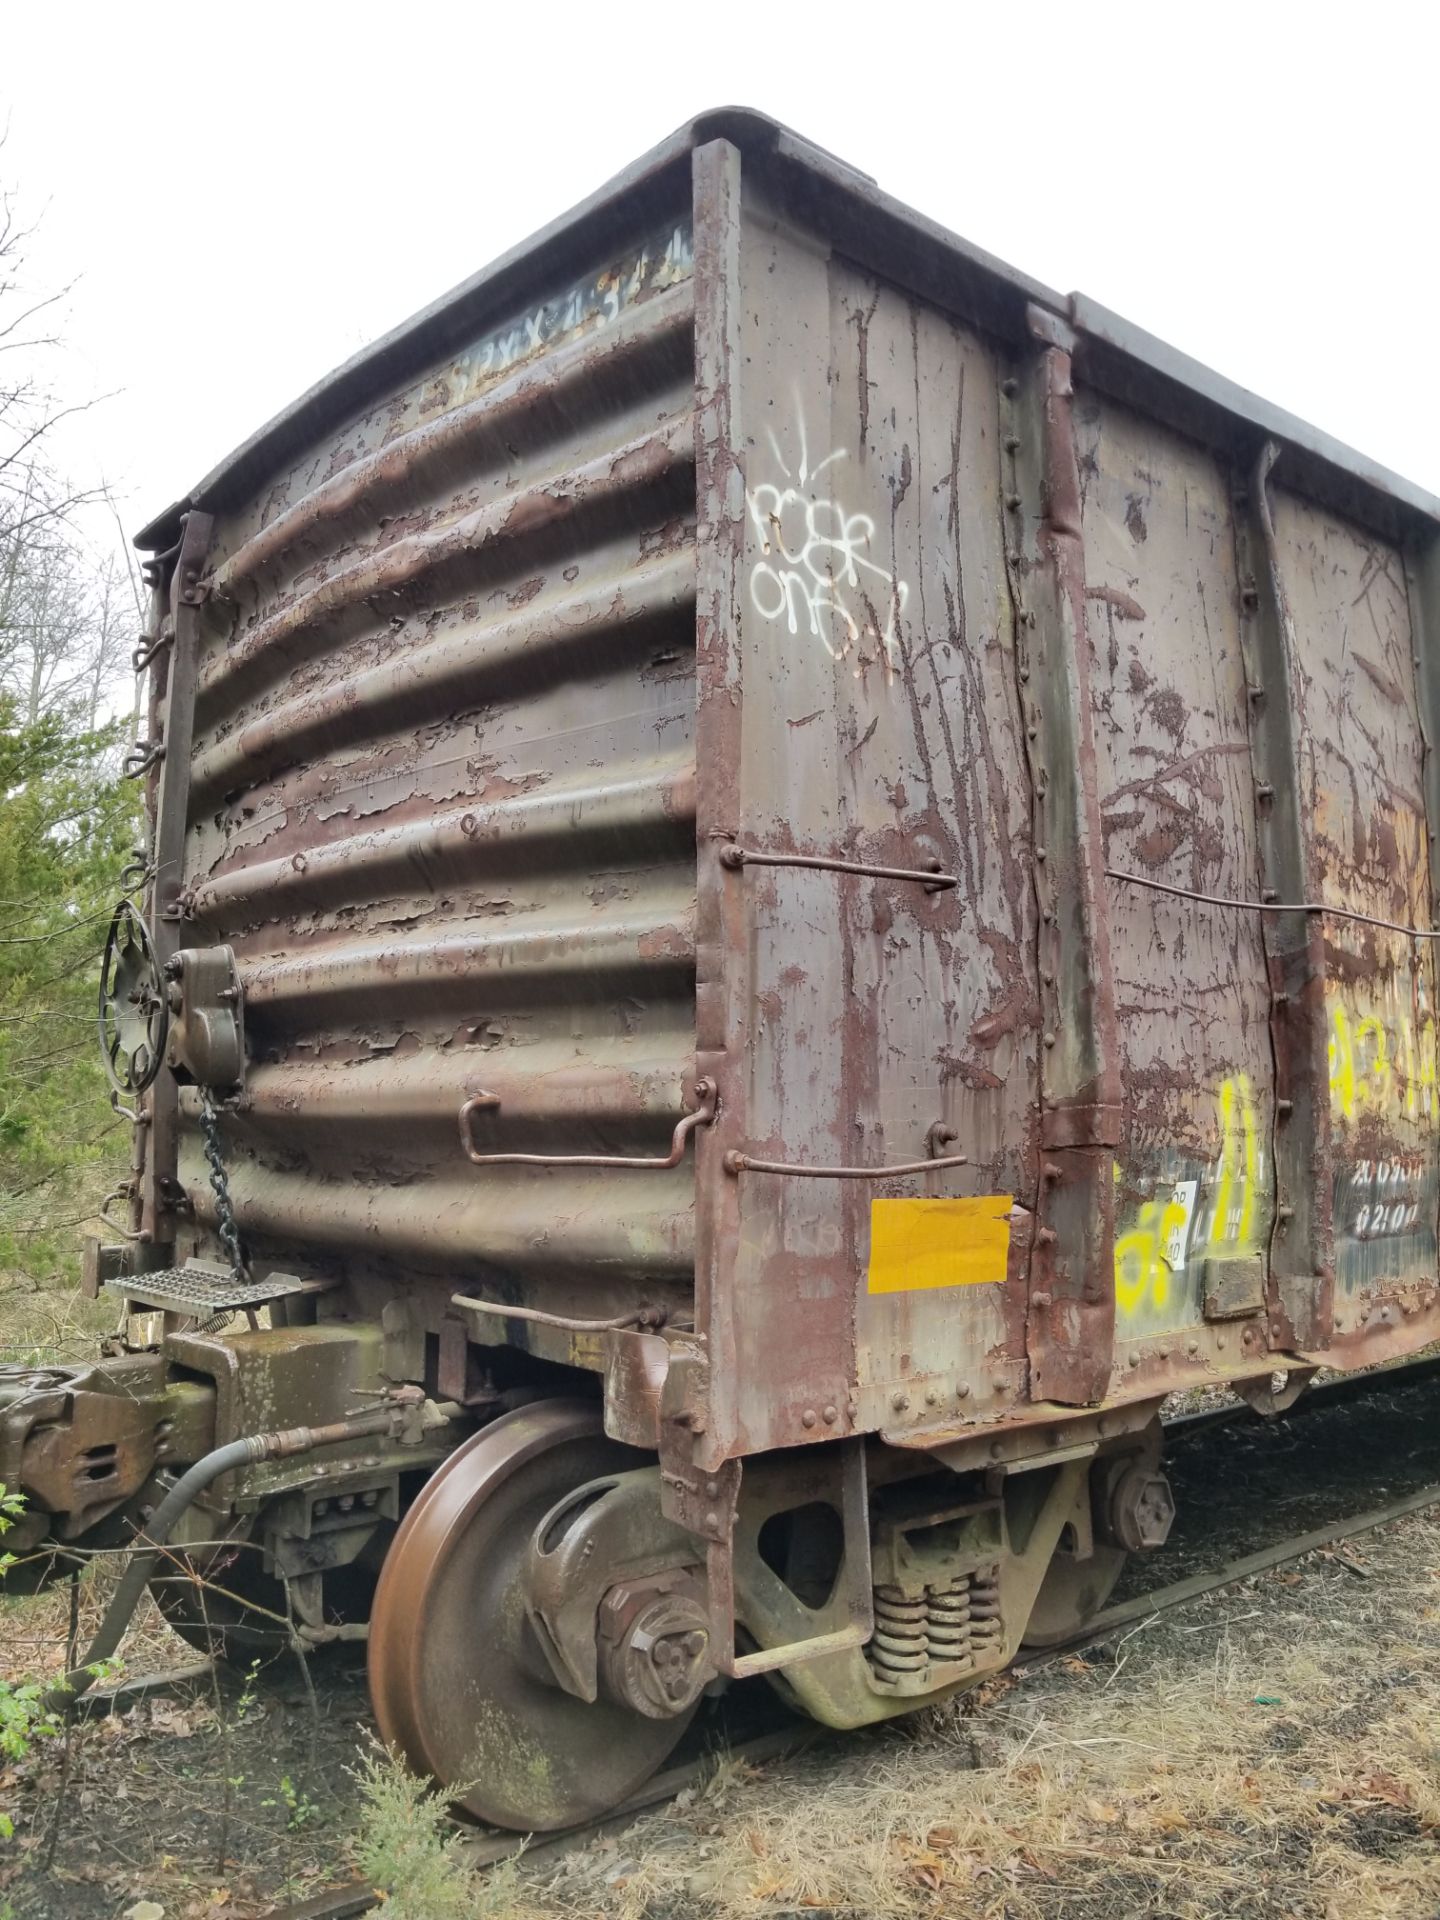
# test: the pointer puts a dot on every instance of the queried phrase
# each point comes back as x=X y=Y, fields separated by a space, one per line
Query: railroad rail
x=1325 y=1393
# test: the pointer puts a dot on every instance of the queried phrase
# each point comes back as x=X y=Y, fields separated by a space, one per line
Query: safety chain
x=226 y=1230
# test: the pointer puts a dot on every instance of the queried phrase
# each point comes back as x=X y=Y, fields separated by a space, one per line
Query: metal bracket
x=1232 y=1289
x=1266 y=1399
x=100 y=1263
x=702 y=1116
x=207 y=1033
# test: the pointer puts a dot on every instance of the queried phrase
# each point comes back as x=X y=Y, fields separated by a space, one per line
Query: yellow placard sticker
x=938 y=1243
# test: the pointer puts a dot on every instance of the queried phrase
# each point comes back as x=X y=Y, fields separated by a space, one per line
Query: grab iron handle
x=125 y=1192
x=147 y=649
x=932 y=878
x=702 y=1116
x=738 y=1163
x=141 y=757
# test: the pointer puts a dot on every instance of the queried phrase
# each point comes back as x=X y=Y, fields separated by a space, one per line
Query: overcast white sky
x=248 y=193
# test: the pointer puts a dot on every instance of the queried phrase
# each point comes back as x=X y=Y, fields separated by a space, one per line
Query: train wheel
x=1072 y=1593
x=459 y=1682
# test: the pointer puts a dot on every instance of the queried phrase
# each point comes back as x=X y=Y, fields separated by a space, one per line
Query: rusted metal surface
x=442 y=811
x=705 y=1443
x=1362 y=755
x=1300 y=1283
x=177 y=609
x=1191 y=1172
x=1071 y=1323
x=858 y=592
x=751 y=639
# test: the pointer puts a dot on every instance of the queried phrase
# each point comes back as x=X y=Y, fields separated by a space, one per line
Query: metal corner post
x=720 y=1010
x=172 y=710
x=1071 y=1321
x=698 y=1450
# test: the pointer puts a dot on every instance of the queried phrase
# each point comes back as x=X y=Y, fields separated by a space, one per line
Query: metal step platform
x=202 y=1289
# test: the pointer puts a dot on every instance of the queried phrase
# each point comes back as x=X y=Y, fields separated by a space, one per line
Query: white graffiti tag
x=816 y=573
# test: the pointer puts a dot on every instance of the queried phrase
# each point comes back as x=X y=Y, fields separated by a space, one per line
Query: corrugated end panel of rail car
x=442 y=805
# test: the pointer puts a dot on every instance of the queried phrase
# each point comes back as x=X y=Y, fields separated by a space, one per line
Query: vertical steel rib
x=1300 y=1281
x=1071 y=1322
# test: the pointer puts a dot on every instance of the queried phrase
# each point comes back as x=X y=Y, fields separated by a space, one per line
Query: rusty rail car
x=789 y=876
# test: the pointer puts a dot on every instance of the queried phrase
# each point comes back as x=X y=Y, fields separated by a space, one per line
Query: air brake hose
x=156 y=1533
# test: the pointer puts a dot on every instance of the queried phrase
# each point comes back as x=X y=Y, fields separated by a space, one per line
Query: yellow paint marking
x=1379 y=1063
x=1155 y=1248
x=1376 y=1084
x=1342 y=1062
x=1233 y=1219
x=938 y=1243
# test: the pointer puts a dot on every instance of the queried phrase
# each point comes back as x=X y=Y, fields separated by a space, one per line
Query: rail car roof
x=879 y=233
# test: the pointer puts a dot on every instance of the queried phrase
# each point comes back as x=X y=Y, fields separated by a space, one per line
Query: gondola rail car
x=788 y=877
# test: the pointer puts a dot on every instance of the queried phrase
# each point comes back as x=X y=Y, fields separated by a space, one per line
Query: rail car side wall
x=866 y=708
x=1362 y=741
x=1194 y=1177
x=1256 y=736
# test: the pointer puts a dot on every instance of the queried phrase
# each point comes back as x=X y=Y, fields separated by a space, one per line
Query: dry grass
x=1273 y=1752
x=33 y=1630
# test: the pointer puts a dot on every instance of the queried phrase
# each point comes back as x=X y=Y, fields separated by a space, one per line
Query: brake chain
x=226 y=1230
